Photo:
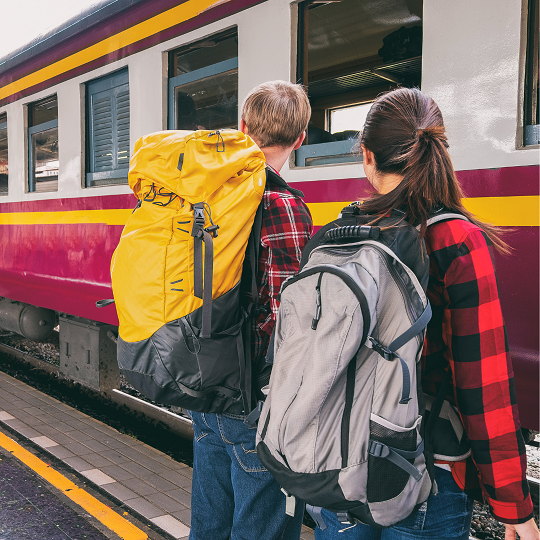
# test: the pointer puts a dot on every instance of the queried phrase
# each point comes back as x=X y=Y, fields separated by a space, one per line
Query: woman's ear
x=243 y=127
x=368 y=156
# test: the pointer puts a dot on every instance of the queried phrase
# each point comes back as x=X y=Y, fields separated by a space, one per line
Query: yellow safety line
x=158 y=23
x=521 y=211
x=123 y=528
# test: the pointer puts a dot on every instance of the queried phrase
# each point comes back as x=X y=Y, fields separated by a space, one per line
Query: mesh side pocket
x=386 y=480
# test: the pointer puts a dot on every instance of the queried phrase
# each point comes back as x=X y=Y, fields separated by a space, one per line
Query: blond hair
x=276 y=113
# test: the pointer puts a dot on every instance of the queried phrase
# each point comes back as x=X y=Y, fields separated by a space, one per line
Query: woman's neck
x=385 y=183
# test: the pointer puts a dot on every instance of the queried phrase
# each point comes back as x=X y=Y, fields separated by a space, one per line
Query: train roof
x=92 y=16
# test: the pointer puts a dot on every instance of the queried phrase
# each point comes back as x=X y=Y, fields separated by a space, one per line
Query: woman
x=407 y=162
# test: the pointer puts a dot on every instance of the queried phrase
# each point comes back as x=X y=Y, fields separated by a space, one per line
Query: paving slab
x=141 y=478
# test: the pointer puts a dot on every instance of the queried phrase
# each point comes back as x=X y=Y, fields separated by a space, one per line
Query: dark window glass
x=3 y=155
x=204 y=53
x=212 y=105
x=43 y=145
x=349 y=52
x=45 y=159
x=203 y=87
x=43 y=111
x=532 y=85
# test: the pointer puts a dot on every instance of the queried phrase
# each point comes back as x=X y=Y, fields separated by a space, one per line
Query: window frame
x=340 y=152
x=33 y=130
x=531 y=131
x=193 y=76
x=108 y=82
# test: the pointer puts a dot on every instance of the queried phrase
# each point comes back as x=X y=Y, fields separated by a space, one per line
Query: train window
x=43 y=145
x=3 y=155
x=532 y=96
x=203 y=84
x=107 y=128
x=349 y=51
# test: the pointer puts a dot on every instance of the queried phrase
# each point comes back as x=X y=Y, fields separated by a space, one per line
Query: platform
x=150 y=485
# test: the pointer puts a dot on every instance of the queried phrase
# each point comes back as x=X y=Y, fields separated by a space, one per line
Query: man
x=233 y=495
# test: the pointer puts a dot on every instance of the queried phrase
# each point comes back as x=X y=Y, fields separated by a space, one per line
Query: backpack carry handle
x=358 y=232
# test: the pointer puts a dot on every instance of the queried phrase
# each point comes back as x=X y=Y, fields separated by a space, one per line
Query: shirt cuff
x=512 y=513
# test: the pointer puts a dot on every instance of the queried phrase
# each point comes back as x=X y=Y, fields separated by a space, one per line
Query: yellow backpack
x=176 y=271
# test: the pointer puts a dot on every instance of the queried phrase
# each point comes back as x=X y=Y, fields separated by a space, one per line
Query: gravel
x=125 y=420
x=483 y=526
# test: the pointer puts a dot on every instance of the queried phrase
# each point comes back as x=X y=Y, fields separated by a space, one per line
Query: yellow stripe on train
x=167 y=19
x=521 y=211
x=108 y=217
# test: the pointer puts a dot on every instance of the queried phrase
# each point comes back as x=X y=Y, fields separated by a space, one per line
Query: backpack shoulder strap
x=443 y=215
x=274 y=178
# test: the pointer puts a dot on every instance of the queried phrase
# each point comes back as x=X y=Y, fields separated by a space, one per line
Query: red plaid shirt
x=467 y=333
x=286 y=228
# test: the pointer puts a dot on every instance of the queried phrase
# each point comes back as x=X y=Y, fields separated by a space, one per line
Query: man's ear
x=299 y=141
x=243 y=127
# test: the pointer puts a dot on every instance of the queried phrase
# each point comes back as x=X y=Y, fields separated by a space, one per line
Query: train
x=74 y=101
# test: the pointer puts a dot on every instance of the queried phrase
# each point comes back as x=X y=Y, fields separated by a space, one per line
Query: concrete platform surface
x=152 y=485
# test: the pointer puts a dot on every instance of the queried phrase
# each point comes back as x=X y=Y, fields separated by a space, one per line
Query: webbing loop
x=202 y=285
x=398 y=457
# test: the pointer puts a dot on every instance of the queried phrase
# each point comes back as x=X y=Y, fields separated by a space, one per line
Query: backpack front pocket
x=393 y=451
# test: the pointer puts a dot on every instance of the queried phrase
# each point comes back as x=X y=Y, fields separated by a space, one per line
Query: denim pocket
x=246 y=454
x=416 y=521
x=199 y=424
x=445 y=515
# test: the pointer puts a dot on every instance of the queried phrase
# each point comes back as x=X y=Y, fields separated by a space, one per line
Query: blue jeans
x=445 y=516
x=233 y=495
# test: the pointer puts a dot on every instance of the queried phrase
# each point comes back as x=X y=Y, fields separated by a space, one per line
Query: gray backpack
x=342 y=426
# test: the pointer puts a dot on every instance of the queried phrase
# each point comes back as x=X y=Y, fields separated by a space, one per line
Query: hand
x=526 y=531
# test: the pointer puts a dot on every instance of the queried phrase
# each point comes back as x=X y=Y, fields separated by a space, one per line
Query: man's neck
x=276 y=156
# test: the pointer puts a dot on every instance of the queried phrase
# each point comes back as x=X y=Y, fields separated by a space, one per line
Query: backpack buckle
x=377 y=449
x=198 y=220
x=385 y=352
x=345 y=518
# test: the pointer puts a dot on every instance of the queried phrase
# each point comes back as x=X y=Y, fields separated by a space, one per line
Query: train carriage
x=73 y=103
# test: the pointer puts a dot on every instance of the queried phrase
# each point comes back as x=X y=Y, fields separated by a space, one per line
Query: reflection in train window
x=107 y=128
x=3 y=155
x=532 y=85
x=203 y=84
x=345 y=120
x=43 y=145
x=349 y=51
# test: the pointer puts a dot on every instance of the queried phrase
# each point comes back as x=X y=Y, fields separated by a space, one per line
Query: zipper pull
x=318 y=308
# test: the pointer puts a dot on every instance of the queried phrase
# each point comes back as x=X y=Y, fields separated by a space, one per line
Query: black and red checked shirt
x=286 y=229
x=467 y=333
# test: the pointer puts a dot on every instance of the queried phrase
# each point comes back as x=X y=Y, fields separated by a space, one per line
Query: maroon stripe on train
x=69 y=270
x=502 y=182
x=207 y=17
x=106 y=202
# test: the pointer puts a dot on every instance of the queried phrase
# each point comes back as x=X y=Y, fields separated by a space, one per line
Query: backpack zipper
x=400 y=283
x=349 y=281
x=318 y=307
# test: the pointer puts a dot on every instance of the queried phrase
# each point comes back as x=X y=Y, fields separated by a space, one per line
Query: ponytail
x=405 y=131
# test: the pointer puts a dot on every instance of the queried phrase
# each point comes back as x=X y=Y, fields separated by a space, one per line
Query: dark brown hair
x=405 y=131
